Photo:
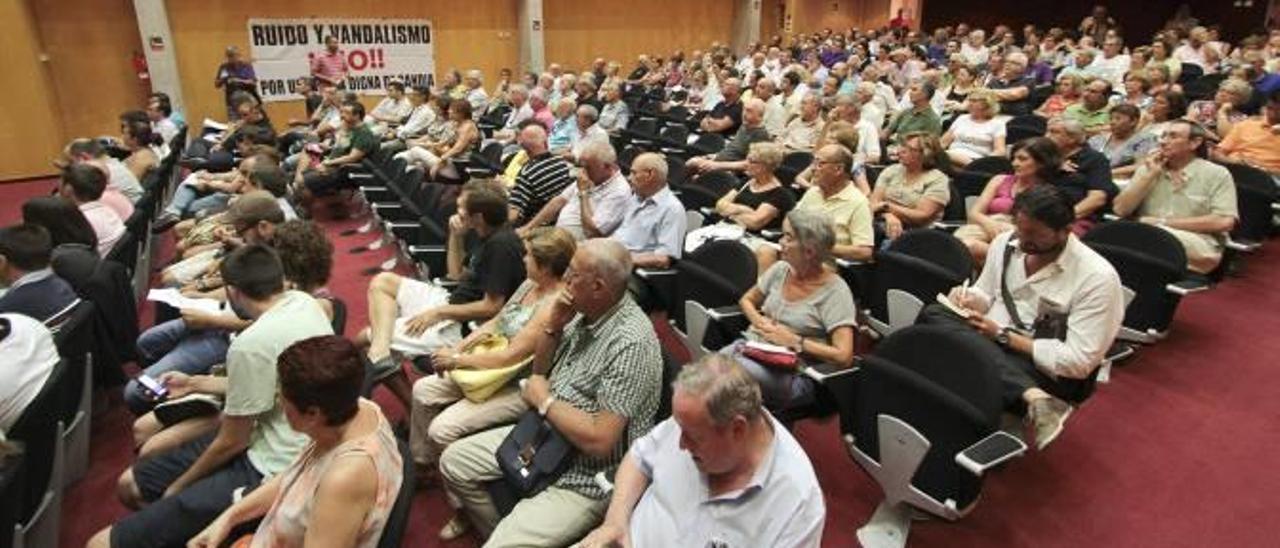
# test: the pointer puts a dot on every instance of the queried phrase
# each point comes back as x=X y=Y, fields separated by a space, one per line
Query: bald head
x=753 y=112
x=533 y=139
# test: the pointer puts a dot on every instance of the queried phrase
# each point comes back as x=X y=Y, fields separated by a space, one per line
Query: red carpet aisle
x=1175 y=451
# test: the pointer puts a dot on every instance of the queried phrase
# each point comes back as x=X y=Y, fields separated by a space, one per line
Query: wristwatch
x=1002 y=336
x=546 y=405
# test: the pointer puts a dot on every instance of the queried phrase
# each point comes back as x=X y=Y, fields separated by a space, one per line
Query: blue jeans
x=212 y=203
x=779 y=389
x=183 y=197
x=170 y=346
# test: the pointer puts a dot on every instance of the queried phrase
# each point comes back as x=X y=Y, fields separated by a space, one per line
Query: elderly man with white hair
x=1013 y=87
x=521 y=110
x=653 y=228
x=596 y=379
x=587 y=130
x=615 y=114
x=720 y=471
x=775 y=110
x=802 y=133
x=975 y=49
x=476 y=95
x=564 y=128
x=596 y=204
x=734 y=155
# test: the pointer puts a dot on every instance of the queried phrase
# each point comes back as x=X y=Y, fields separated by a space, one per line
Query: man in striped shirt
x=602 y=393
x=331 y=65
x=541 y=178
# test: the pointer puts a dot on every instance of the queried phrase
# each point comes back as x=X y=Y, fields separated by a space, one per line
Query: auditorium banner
x=377 y=51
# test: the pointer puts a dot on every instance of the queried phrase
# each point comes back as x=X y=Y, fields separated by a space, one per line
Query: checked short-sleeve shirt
x=612 y=365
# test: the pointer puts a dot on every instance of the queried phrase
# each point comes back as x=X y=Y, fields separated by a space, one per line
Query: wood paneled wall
x=470 y=34
x=30 y=131
x=90 y=44
x=578 y=32
x=839 y=15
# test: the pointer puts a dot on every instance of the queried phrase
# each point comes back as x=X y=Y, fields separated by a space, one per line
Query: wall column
x=157 y=45
x=746 y=24
x=532 y=45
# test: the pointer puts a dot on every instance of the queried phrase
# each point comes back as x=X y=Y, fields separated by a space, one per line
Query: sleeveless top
x=514 y=315
x=1002 y=202
x=286 y=523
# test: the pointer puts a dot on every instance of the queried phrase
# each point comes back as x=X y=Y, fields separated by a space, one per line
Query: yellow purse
x=479 y=384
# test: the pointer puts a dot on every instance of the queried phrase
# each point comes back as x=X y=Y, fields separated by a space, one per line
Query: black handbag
x=533 y=455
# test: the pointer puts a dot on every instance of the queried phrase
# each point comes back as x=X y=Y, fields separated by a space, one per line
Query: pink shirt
x=106 y=224
x=545 y=117
x=118 y=202
x=330 y=67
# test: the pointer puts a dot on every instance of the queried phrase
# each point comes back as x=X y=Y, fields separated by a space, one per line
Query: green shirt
x=359 y=138
x=251 y=377
x=913 y=120
x=1094 y=121
x=1207 y=189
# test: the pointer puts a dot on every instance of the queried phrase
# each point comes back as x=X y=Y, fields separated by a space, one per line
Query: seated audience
x=1124 y=146
x=1067 y=93
x=443 y=411
x=75 y=245
x=1050 y=356
x=1191 y=198
x=189 y=487
x=118 y=177
x=564 y=129
x=345 y=480
x=1255 y=141
x=414 y=318
x=1085 y=178
x=1094 y=109
x=762 y=202
x=846 y=135
x=839 y=199
x=202 y=193
x=594 y=206
x=1224 y=110
x=913 y=192
x=84 y=184
x=802 y=132
x=653 y=227
x=437 y=156
x=160 y=112
x=140 y=142
x=726 y=117
x=720 y=470
x=801 y=305
x=542 y=177
x=918 y=117
x=597 y=375
x=421 y=115
x=614 y=115
x=29 y=358
x=1166 y=106
x=215 y=154
x=977 y=134
x=391 y=111
x=775 y=116
x=587 y=131
x=30 y=286
x=1012 y=87
x=734 y=155
x=352 y=143
x=867 y=133
x=251 y=219
x=1137 y=90
x=1035 y=162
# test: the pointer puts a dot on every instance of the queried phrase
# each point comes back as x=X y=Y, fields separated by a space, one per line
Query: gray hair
x=726 y=387
x=518 y=89
x=813 y=231
x=609 y=260
x=601 y=151
x=654 y=161
x=474 y=73
x=539 y=95
x=1072 y=127
x=590 y=111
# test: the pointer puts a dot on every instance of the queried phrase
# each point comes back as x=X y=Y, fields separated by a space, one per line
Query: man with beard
x=1050 y=303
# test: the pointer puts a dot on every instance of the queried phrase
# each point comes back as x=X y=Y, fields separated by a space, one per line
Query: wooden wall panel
x=30 y=132
x=90 y=44
x=470 y=34
x=578 y=32
x=839 y=15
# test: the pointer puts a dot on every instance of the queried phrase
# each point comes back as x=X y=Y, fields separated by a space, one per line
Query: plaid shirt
x=612 y=365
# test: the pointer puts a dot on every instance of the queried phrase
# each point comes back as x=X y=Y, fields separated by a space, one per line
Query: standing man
x=331 y=64
x=236 y=75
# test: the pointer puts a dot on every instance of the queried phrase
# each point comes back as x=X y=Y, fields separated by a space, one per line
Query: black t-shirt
x=494 y=265
x=733 y=111
x=1093 y=172
x=1021 y=106
x=779 y=197
x=313 y=102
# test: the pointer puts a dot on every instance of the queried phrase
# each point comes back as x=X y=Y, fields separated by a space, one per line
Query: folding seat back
x=716 y=274
x=792 y=164
x=929 y=392
x=915 y=268
x=74 y=339
x=1148 y=260
x=677 y=175
x=37 y=428
x=707 y=143
x=1025 y=127
x=1190 y=73
x=1256 y=193
x=991 y=165
x=707 y=189
x=398 y=520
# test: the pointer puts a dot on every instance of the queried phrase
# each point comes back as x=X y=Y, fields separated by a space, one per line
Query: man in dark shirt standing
x=233 y=76
x=484 y=258
x=540 y=179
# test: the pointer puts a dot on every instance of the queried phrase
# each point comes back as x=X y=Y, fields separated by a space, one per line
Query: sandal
x=456 y=527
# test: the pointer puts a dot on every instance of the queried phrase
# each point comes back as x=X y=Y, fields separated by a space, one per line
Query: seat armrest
x=1110 y=217
x=771 y=235
x=425 y=249
x=949 y=226
x=990 y=451
x=1188 y=286
x=653 y=273
x=1243 y=247
x=824 y=372
x=402 y=224
x=846 y=263
x=724 y=312
x=373 y=188
x=445 y=283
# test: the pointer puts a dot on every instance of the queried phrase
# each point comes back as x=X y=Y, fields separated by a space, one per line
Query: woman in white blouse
x=977 y=134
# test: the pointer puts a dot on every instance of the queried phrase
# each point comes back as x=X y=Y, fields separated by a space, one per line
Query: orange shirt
x=1254 y=142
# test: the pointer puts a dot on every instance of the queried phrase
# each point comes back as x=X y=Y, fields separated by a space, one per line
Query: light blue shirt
x=653 y=225
x=563 y=133
x=781 y=506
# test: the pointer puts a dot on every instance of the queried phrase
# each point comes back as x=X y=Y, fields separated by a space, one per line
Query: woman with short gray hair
x=801 y=305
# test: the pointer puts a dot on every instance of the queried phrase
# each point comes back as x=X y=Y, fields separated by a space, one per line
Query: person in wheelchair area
x=1051 y=304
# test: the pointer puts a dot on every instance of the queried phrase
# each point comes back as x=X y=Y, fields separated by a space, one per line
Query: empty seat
x=909 y=274
x=1149 y=261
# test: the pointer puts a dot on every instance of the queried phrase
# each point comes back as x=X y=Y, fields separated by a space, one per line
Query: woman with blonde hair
x=1068 y=92
x=977 y=134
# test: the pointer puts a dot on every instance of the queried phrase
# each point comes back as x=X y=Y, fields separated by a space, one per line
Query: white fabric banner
x=377 y=50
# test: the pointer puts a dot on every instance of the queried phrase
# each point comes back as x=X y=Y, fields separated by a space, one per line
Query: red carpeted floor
x=1178 y=450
